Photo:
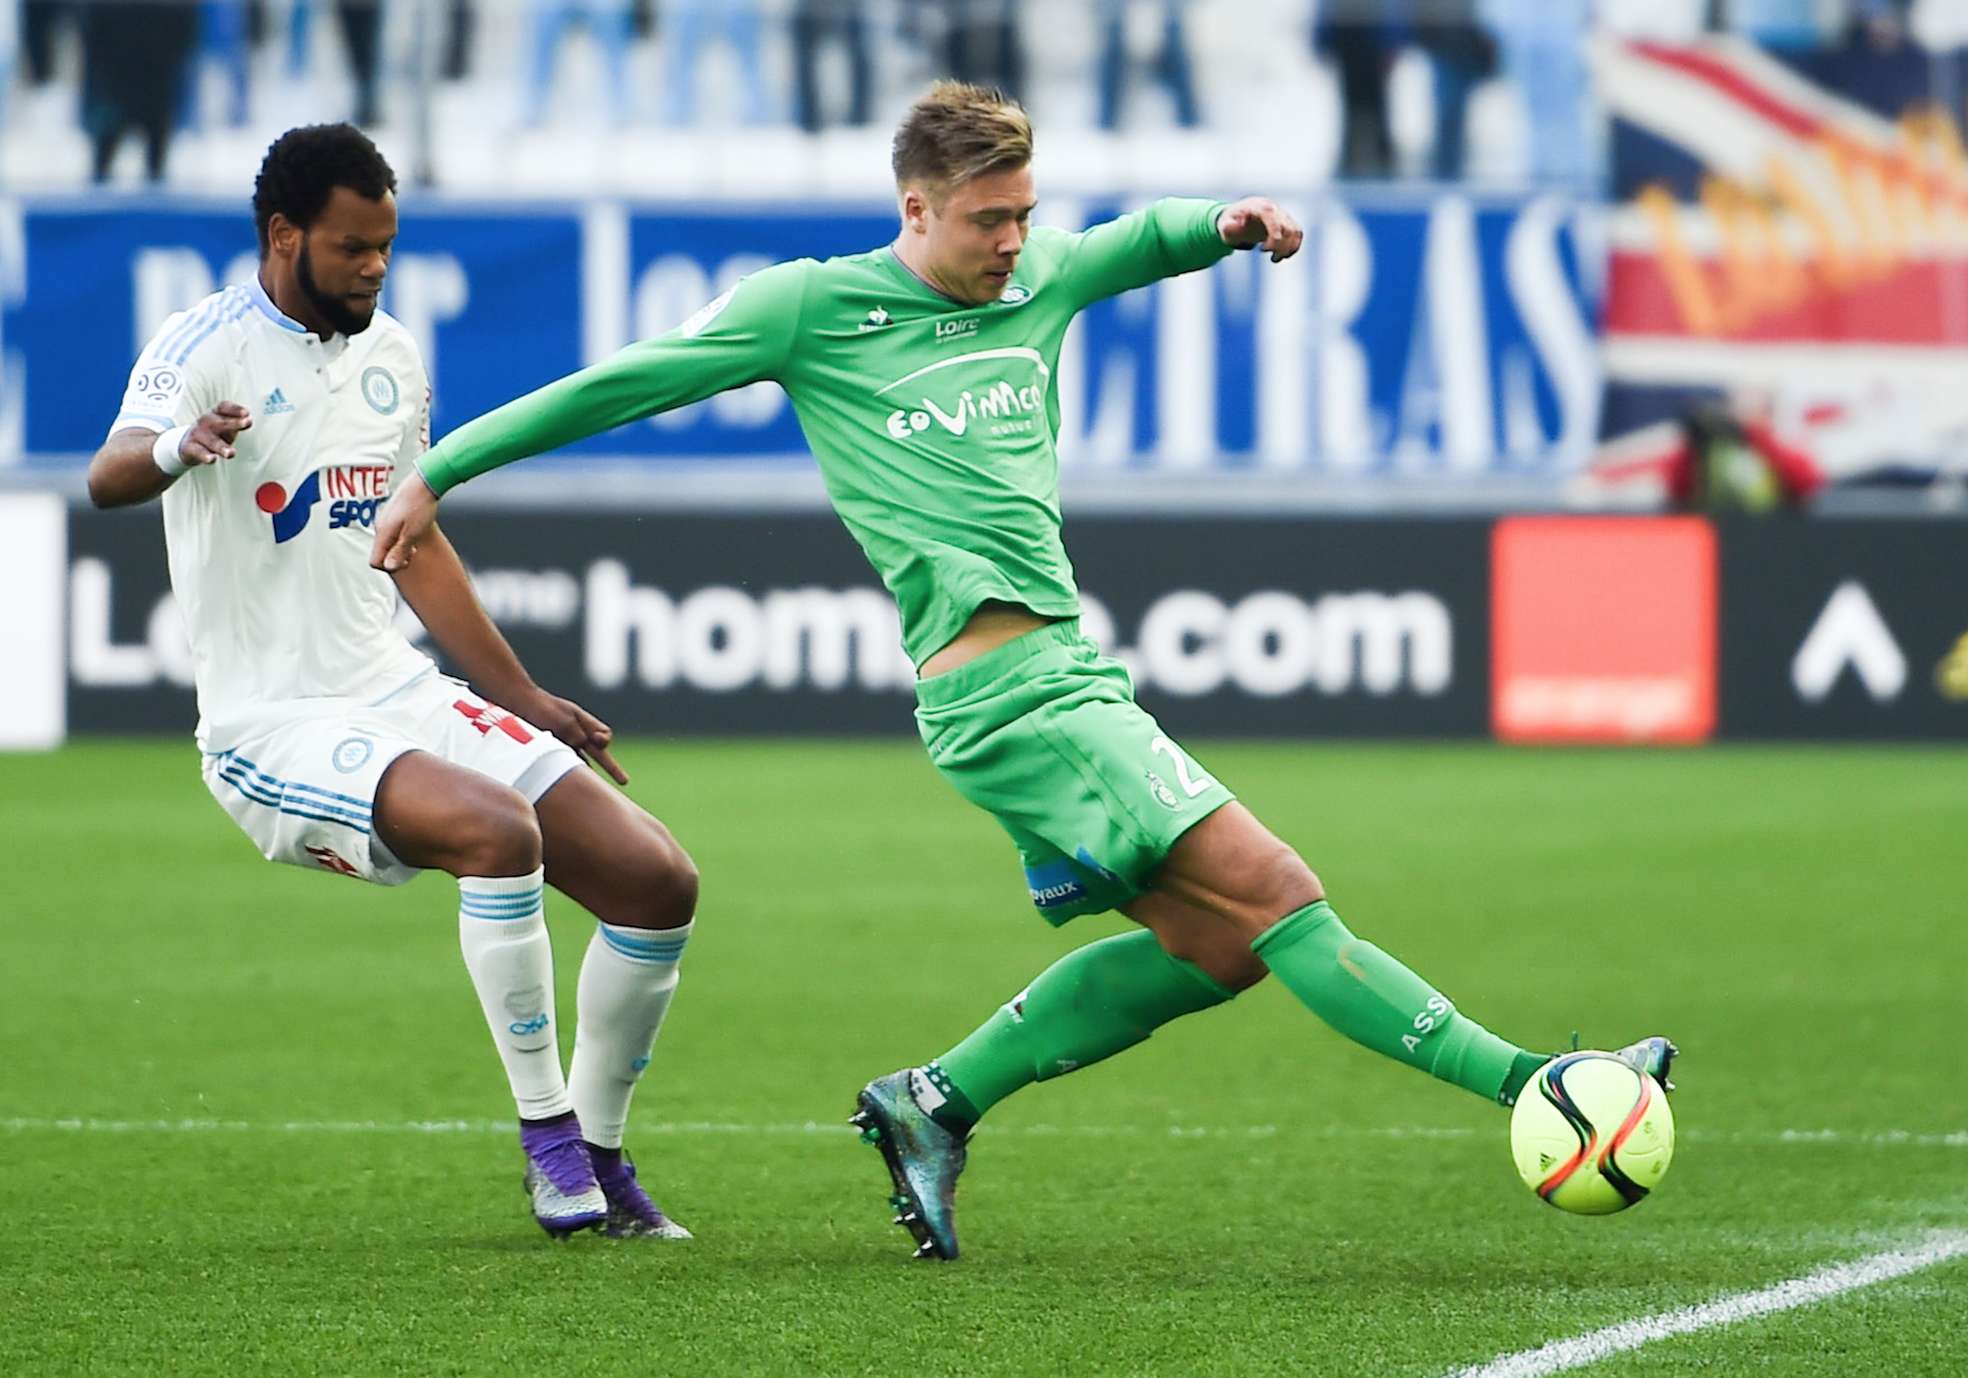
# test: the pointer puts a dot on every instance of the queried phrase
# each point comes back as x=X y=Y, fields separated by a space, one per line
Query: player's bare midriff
x=989 y=627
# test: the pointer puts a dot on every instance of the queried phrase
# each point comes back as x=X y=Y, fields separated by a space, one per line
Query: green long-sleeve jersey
x=933 y=421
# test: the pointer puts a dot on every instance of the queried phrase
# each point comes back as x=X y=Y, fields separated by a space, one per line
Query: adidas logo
x=276 y=403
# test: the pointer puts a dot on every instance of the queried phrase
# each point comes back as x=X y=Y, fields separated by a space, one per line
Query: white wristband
x=165 y=451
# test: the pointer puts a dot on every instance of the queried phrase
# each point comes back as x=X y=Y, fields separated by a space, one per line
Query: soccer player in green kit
x=923 y=375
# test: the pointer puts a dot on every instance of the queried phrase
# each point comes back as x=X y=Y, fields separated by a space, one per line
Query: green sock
x=1380 y=1004
x=1088 y=1005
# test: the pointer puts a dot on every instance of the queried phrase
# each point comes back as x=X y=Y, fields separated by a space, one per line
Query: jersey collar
x=907 y=274
x=272 y=312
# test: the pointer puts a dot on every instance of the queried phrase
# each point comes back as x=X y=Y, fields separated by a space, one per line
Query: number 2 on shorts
x=1192 y=785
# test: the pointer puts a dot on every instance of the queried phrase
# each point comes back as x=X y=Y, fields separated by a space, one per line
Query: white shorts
x=304 y=790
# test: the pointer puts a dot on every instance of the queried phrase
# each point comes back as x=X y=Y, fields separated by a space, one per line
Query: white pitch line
x=1842 y=1138
x=1809 y=1290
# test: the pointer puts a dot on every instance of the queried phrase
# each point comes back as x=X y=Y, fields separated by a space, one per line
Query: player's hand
x=402 y=523
x=1255 y=222
x=575 y=726
x=210 y=438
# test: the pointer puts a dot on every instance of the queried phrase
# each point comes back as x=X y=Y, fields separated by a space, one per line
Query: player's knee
x=502 y=837
x=652 y=886
x=669 y=887
x=1284 y=883
x=1235 y=967
x=1218 y=949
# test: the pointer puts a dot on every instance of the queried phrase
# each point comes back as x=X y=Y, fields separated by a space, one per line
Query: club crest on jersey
x=379 y=389
x=1016 y=295
x=354 y=492
x=353 y=753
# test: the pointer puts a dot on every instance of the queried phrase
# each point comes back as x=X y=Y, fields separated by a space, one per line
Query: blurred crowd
x=1538 y=47
x=144 y=70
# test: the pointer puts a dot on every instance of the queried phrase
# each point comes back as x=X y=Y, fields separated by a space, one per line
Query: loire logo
x=950 y=330
x=1003 y=406
x=354 y=492
x=276 y=403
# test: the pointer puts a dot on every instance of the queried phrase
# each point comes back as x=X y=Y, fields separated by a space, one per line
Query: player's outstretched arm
x=136 y=464
x=741 y=337
x=440 y=592
x=1173 y=236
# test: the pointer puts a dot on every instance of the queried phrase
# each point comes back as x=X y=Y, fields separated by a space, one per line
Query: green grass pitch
x=1245 y=1194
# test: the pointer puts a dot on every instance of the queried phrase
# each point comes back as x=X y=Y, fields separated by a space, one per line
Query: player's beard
x=334 y=310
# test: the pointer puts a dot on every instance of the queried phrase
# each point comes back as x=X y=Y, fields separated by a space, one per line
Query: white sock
x=627 y=980
x=502 y=928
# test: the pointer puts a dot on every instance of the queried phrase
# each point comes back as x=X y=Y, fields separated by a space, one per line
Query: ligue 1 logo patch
x=379 y=389
x=352 y=754
x=159 y=384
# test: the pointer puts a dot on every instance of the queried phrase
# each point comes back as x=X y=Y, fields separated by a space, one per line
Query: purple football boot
x=560 y=1177
x=631 y=1214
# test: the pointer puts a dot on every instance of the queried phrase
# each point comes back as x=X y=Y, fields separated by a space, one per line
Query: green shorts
x=1043 y=733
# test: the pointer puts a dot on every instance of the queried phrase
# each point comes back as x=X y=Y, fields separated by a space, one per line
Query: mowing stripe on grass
x=1848 y=1138
x=1808 y=1290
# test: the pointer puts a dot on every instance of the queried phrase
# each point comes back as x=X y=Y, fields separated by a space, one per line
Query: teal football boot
x=924 y=1160
x=1652 y=1056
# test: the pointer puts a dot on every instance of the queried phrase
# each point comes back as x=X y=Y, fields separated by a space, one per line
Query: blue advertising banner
x=1427 y=338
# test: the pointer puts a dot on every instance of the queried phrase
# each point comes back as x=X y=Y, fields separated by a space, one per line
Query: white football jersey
x=269 y=550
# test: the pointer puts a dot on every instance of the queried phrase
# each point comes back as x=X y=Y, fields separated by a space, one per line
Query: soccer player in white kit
x=273 y=418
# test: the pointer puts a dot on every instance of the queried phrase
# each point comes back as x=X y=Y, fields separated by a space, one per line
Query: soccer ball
x=1591 y=1135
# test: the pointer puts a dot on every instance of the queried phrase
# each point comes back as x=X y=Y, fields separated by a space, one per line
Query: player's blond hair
x=957 y=132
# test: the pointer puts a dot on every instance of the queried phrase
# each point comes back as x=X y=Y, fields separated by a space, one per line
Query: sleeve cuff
x=432 y=481
x=1215 y=221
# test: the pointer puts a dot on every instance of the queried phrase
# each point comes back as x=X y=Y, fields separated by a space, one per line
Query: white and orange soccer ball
x=1591 y=1134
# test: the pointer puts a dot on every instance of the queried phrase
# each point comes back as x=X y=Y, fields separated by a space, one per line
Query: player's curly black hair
x=304 y=166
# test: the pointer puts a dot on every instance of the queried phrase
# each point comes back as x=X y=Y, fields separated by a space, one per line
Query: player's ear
x=915 y=209
x=283 y=235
